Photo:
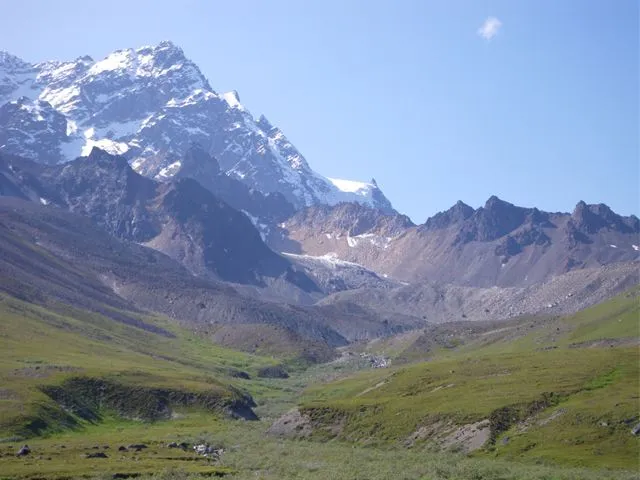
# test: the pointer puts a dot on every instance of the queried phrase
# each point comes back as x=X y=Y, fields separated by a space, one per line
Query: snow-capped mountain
x=151 y=104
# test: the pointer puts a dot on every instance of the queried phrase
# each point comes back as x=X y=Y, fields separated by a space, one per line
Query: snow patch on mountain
x=329 y=259
x=233 y=99
x=351 y=186
x=35 y=109
x=106 y=144
x=334 y=274
x=377 y=241
x=169 y=171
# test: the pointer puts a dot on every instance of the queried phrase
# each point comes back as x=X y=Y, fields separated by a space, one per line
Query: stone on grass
x=273 y=371
x=24 y=450
x=97 y=455
x=137 y=446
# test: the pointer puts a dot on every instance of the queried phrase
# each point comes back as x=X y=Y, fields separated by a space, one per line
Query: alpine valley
x=171 y=264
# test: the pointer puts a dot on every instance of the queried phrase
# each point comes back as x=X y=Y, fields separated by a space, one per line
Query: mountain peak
x=581 y=205
x=164 y=46
x=9 y=61
x=168 y=44
x=86 y=59
x=104 y=158
x=233 y=99
x=162 y=61
x=150 y=103
x=456 y=214
x=494 y=202
x=593 y=218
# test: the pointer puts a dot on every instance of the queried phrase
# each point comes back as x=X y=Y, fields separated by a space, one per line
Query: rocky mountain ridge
x=498 y=244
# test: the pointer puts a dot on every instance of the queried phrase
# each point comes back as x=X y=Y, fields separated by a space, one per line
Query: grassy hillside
x=563 y=391
x=77 y=383
x=49 y=255
x=54 y=360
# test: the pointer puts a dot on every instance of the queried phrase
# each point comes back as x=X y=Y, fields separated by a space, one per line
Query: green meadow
x=560 y=398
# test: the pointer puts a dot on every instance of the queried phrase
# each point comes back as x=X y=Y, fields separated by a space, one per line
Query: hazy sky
x=535 y=101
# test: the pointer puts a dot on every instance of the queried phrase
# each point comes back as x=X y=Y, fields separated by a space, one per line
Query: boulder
x=24 y=450
x=96 y=455
x=207 y=450
x=273 y=371
x=239 y=374
x=137 y=446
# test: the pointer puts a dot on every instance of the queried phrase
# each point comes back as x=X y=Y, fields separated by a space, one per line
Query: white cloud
x=489 y=28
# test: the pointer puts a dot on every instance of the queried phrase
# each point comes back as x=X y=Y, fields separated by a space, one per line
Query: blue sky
x=539 y=108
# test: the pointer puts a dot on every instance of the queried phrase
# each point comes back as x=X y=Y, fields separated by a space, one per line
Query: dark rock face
x=455 y=215
x=180 y=218
x=104 y=188
x=32 y=129
x=267 y=209
x=230 y=245
x=531 y=232
x=591 y=219
x=588 y=221
x=494 y=220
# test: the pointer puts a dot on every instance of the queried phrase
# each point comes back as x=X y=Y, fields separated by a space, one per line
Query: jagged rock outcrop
x=498 y=244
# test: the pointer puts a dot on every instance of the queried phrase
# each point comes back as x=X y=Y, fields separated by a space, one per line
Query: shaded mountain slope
x=143 y=278
x=180 y=218
x=267 y=209
x=146 y=278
